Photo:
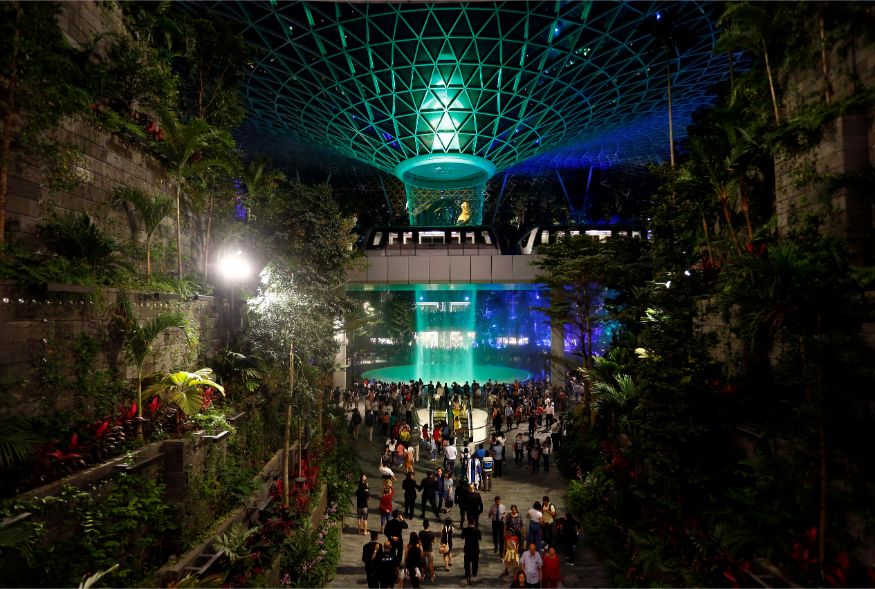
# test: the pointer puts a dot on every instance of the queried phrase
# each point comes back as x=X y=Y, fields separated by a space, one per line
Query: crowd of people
x=529 y=543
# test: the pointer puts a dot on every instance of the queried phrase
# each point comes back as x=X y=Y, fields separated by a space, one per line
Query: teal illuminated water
x=448 y=373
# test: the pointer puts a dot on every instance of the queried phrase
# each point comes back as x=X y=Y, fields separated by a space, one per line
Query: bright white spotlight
x=235 y=266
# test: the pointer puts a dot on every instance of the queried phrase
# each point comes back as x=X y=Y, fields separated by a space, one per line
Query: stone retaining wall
x=38 y=336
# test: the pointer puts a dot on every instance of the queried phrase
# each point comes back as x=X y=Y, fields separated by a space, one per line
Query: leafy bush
x=125 y=521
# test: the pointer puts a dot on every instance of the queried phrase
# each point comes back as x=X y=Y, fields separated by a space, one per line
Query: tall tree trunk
x=670 y=120
x=139 y=430
x=707 y=239
x=724 y=202
x=745 y=206
x=179 y=230
x=771 y=84
x=149 y=258
x=207 y=236
x=824 y=57
x=288 y=428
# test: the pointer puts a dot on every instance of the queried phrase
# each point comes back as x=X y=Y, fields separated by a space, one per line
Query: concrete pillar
x=557 y=350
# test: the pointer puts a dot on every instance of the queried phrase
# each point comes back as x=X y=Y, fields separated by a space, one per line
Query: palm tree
x=188 y=148
x=152 y=210
x=750 y=26
x=139 y=338
x=673 y=40
x=185 y=389
x=616 y=397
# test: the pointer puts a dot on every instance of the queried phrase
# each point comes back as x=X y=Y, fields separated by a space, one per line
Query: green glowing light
x=446 y=325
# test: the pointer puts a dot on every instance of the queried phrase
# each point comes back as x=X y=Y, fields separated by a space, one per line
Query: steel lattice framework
x=499 y=84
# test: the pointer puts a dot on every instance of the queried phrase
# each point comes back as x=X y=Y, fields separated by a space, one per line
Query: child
x=511 y=553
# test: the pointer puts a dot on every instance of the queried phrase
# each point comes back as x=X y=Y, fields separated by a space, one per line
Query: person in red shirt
x=386 y=507
x=550 y=574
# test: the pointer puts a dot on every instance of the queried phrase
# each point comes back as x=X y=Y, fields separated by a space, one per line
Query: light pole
x=234 y=267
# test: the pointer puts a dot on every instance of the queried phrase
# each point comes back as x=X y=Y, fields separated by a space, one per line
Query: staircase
x=437 y=416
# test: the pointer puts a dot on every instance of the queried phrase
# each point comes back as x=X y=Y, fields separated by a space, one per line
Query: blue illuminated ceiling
x=526 y=86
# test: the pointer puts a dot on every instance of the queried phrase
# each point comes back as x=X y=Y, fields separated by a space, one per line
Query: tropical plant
x=184 y=389
x=213 y=421
x=258 y=178
x=17 y=442
x=76 y=237
x=234 y=542
x=674 y=40
x=139 y=338
x=188 y=148
x=614 y=397
x=753 y=27
x=152 y=210
x=91 y=581
x=236 y=370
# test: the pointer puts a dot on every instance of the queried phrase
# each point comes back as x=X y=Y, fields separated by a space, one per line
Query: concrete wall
x=90 y=164
x=36 y=334
x=847 y=145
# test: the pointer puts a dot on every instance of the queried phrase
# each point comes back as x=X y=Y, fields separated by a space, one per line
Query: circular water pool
x=445 y=373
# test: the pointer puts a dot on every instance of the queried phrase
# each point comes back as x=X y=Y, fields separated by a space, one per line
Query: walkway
x=518 y=486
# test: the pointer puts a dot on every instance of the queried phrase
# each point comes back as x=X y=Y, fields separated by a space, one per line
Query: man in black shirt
x=473 y=505
x=372 y=554
x=471 y=535
x=362 y=494
x=388 y=567
x=426 y=538
x=393 y=530
x=428 y=487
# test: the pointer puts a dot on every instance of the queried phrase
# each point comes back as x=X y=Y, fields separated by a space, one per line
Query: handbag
x=444 y=548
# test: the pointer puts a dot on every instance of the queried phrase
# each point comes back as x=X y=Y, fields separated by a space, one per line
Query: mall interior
x=291 y=290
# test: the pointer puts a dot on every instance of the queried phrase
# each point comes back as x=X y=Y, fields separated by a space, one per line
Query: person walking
x=446 y=545
x=386 y=507
x=535 y=516
x=413 y=559
x=532 y=564
x=393 y=531
x=372 y=553
x=447 y=497
x=519 y=581
x=388 y=570
x=426 y=539
x=428 y=487
x=549 y=515
x=473 y=505
x=550 y=573
x=356 y=423
x=497 y=514
x=513 y=525
x=450 y=454
x=462 y=500
x=370 y=420
x=518 y=447
x=498 y=457
x=488 y=467
x=536 y=456
x=362 y=494
x=472 y=536
x=569 y=536
x=409 y=488
x=546 y=450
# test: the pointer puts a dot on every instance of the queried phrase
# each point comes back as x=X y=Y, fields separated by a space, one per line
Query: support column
x=557 y=349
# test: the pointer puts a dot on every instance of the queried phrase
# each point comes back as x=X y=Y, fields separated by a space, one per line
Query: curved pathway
x=517 y=486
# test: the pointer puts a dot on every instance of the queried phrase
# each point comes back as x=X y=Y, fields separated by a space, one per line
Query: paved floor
x=517 y=486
